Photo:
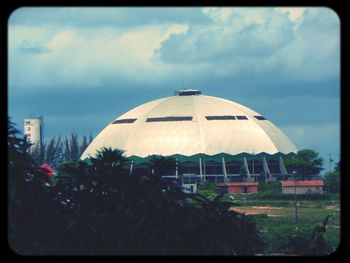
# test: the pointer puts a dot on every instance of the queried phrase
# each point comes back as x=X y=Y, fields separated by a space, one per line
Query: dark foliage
x=280 y=196
x=332 y=182
x=269 y=187
x=29 y=200
x=306 y=164
x=300 y=240
x=163 y=165
x=99 y=209
x=50 y=153
x=57 y=151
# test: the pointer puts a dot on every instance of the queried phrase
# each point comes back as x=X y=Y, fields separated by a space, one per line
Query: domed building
x=198 y=130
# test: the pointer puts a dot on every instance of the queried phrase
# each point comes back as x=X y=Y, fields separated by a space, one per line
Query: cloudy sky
x=83 y=67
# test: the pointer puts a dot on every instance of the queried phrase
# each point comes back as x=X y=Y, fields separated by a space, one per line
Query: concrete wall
x=302 y=189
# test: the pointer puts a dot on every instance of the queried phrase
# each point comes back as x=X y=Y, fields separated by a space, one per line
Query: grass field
x=272 y=218
x=275 y=219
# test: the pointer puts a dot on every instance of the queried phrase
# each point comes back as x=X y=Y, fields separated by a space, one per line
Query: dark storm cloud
x=214 y=44
x=97 y=17
x=108 y=103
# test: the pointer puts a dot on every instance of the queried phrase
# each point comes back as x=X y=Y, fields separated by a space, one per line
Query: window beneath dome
x=124 y=121
x=225 y=117
x=260 y=118
x=171 y=118
x=240 y=117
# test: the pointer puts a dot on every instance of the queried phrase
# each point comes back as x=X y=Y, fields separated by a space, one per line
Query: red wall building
x=239 y=187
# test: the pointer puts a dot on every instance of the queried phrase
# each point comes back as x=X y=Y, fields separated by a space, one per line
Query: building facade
x=34 y=130
x=212 y=139
x=240 y=187
x=303 y=187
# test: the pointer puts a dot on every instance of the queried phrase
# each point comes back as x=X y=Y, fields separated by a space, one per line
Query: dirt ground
x=255 y=210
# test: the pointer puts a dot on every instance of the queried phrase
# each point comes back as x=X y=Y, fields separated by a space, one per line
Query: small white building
x=302 y=187
x=189 y=188
x=34 y=130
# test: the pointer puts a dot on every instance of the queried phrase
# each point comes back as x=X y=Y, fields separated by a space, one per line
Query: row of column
x=245 y=166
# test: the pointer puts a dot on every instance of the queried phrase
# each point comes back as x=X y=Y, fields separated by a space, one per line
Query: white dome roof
x=190 y=124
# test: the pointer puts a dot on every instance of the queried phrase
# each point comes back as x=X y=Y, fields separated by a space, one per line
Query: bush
x=287 y=197
x=332 y=182
x=99 y=209
x=269 y=187
x=300 y=240
x=208 y=189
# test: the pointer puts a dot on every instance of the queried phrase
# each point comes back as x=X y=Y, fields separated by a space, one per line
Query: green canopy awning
x=215 y=158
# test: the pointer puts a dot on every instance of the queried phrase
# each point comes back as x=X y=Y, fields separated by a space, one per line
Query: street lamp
x=295 y=197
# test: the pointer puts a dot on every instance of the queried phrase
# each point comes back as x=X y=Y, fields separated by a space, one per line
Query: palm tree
x=71 y=148
x=50 y=153
x=108 y=158
x=56 y=151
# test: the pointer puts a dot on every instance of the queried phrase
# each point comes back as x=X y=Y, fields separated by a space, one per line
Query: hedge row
x=280 y=196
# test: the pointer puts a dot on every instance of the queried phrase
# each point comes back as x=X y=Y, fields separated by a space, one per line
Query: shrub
x=300 y=240
x=280 y=196
x=269 y=187
x=99 y=209
x=332 y=182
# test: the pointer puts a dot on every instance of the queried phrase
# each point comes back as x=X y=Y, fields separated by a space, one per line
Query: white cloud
x=62 y=40
x=88 y=57
x=285 y=43
x=295 y=43
x=294 y=13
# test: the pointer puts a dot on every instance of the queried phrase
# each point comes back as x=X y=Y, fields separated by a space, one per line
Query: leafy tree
x=19 y=163
x=29 y=200
x=306 y=163
x=332 y=182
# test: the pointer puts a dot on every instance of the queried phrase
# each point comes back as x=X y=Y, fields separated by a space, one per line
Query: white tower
x=34 y=129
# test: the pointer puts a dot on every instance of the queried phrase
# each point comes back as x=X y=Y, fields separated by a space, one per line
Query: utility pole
x=330 y=162
x=295 y=198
